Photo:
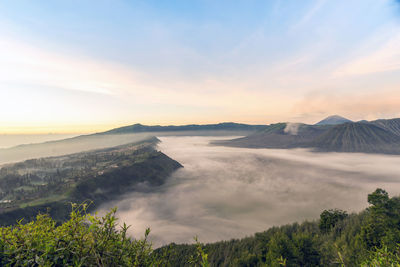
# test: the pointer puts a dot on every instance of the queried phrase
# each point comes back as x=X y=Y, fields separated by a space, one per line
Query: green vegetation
x=329 y=218
x=58 y=238
x=37 y=185
x=371 y=238
x=84 y=240
x=383 y=257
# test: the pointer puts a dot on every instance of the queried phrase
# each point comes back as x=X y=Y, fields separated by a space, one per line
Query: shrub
x=83 y=240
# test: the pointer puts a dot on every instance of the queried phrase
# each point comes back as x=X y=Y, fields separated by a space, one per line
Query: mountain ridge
x=379 y=136
x=140 y=128
x=278 y=135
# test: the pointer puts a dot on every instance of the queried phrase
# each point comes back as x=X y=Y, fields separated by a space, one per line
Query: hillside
x=280 y=135
x=380 y=136
x=392 y=125
x=67 y=146
x=120 y=136
x=100 y=175
x=370 y=238
x=357 y=137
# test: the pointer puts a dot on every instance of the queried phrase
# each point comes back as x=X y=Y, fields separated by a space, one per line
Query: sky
x=86 y=66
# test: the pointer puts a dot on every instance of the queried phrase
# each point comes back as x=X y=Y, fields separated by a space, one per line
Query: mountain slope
x=226 y=126
x=392 y=125
x=357 y=137
x=100 y=175
x=309 y=243
x=381 y=136
x=333 y=120
x=119 y=136
x=280 y=135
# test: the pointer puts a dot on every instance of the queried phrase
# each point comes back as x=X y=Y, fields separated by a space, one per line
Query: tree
x=378 y=198
x=329 y=218
x=382 y=225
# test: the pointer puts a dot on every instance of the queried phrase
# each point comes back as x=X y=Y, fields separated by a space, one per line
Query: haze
x=10 y=140
x=223 y=193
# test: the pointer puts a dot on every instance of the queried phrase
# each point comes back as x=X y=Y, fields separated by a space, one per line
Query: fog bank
x=10 y=140
x=226 y=192
x=37 y=146
x=67 y=146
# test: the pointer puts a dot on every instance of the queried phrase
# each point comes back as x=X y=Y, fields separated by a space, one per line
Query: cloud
x=31 y=65
x=26 y=150
x=176 y=80
x=356 y=105
x=223 y=193
x=309 y=14
x=383 y=59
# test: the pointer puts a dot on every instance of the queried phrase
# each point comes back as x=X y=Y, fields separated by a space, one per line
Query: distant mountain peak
x=333 y=120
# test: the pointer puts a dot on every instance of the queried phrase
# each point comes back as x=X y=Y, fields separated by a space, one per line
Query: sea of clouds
x=224 y=192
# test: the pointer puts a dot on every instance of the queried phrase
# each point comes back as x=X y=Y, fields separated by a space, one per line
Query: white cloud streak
x=384 y=58
x=309 y=14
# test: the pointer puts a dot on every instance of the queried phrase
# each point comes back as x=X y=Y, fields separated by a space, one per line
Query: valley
x=200 y=133
x=187 y=184
x=227 y=192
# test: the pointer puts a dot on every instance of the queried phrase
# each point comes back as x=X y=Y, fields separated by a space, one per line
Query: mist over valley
x=200 y=133
x=226 y=192
x=184 y=183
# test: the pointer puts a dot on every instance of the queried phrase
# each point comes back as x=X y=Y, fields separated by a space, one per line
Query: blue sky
x=81 y=66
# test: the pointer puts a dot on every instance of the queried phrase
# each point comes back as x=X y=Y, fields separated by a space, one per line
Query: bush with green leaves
x=383 y=257
x=83 y=240
x=200 y=258
x=370 y=238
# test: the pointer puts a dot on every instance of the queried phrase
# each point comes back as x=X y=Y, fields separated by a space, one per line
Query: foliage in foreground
x=383 y=257
x=84 y=240
x=370 y=238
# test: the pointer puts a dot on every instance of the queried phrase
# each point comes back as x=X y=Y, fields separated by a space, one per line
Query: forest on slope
x=370 y=238
x=38 y=185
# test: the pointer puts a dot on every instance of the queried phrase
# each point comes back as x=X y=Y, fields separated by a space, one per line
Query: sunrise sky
x=86 y=66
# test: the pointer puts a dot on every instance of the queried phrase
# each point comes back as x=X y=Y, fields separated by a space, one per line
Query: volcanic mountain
x=358 y=137
x=380 y=136
x=333 y=120
x=280 y=135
